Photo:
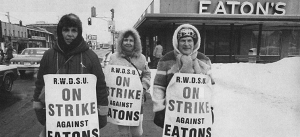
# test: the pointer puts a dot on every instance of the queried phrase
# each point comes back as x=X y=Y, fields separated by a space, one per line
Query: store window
x=270 y=42
x=217 y=41
x=247 y=40
x=294 y=43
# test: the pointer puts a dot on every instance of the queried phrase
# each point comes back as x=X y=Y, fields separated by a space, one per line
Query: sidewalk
x=150 y=129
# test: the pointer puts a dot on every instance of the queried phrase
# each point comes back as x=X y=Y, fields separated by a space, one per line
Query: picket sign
x=71 y=105
x=125 y=95
x=188 y=106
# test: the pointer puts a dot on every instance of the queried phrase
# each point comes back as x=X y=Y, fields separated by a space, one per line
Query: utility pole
x=113 y=31
x=8 y=17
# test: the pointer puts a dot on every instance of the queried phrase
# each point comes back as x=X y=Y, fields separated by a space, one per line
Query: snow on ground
x=261 y=100
x=256 y=100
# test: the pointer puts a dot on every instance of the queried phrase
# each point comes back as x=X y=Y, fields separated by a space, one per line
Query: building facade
x=230 y=30
x=14 y=34
x=21 y=37
x=50 y=27
x=39 y=37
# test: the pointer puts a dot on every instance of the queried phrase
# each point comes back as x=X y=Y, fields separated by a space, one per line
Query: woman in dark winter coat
x=71 y=55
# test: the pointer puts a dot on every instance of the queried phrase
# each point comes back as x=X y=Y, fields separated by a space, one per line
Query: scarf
x=190 y=64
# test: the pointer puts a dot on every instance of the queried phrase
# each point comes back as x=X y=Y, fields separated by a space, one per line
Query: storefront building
x=14 y=34
x=230 y=30
x=39 y=37
x=21 y=37
x=50 y=27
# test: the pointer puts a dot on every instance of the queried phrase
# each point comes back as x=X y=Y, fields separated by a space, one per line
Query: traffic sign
x=92 y=37
x=111 y=26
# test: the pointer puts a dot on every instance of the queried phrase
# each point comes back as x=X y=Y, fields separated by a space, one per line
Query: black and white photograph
x=149 y=68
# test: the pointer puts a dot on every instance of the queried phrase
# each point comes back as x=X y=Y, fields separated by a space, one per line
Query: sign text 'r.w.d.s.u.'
x=188 y=106
x=71 y=105
x=125 y=95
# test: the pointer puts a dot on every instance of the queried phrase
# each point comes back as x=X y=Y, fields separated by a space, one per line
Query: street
x=19 y=120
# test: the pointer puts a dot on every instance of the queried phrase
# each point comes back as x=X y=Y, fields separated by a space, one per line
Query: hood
x=69 y=20
x=175 y=41
x=137 y=42
x=78 y=49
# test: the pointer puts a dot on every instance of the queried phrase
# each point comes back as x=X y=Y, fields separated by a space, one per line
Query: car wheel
x=7 y=83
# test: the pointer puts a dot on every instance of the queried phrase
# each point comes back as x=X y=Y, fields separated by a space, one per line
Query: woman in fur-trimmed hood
x=185 y=58
x=137 y=50
x=135 y=55
x=129 y=53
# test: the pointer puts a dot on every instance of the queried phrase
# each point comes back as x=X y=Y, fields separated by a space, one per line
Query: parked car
x=8 y=74
x=28 y=60
x=106 y=46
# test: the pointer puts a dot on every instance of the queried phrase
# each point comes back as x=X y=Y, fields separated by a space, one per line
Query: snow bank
x=257 y=99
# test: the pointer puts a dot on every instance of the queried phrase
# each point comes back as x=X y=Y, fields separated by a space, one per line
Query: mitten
x=144 y=98
x=102 y=121
x=159 y=118
x=37 y=105
x=187 y=64
x=102 y=116
x=200 y=67
x=40 y=111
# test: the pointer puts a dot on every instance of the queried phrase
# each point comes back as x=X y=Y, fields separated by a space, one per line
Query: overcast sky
x=127 y=13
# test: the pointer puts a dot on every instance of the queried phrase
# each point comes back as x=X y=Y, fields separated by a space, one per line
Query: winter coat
x=82 y=60
x=9 y=52
x=168 y=65
x=137 y=58
x=158 y=51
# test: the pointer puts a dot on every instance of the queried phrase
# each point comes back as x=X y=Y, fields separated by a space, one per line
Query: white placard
x=71 y=105
x=125 y=95
x=188 y=106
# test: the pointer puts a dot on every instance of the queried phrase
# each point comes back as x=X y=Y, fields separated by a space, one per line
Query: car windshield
x=33 y=52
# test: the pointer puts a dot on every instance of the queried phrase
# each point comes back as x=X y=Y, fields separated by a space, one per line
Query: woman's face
x=128 y=43
x=69 y=34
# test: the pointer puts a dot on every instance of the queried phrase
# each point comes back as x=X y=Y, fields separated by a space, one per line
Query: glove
x=159 y=118
x=102 y=116
x=102 y=121
x=37 y=105
x=144 y=98
x=40 y=111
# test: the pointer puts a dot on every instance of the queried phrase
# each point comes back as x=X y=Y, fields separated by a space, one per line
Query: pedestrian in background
x=9 y=53
x=157 y=53
x=71 y=55
x=1 y=55
x=129 y=53
x=185 y=58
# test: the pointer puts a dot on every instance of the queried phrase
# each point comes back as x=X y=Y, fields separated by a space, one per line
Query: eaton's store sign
x=242 y=8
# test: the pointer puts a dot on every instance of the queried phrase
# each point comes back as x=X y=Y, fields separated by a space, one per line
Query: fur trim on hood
x=137 y=51
x=175 y=40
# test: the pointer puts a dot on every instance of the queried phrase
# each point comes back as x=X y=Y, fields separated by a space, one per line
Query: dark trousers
x=155 y=62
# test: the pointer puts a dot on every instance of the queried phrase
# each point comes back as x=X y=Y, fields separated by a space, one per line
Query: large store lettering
x=245 y=8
